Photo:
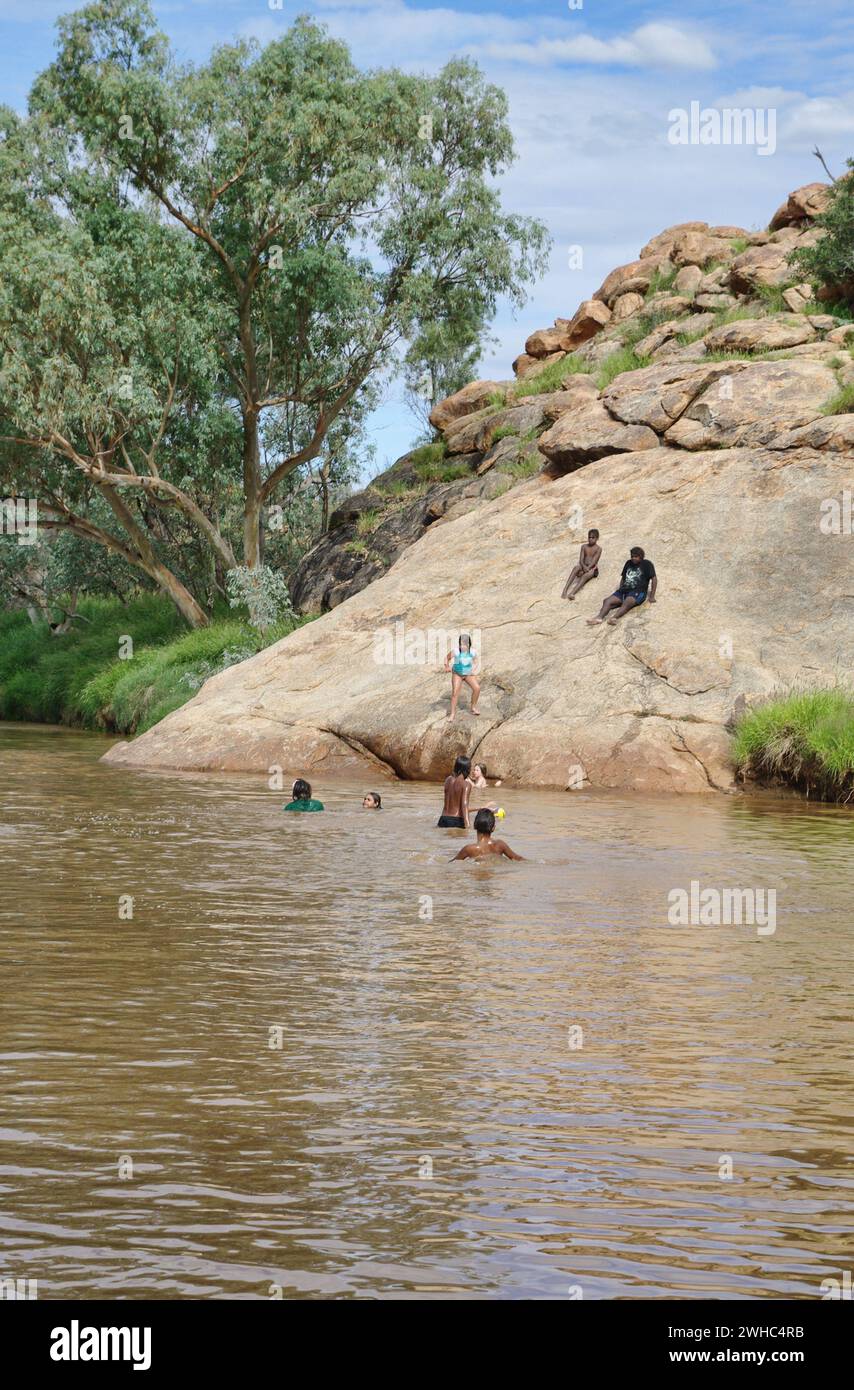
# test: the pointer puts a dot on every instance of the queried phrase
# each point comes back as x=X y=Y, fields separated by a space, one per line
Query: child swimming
x=464 y=665
x=372 y=801
x=587 y=567
x=484 y=824
x=301 y=799
x=480 y=779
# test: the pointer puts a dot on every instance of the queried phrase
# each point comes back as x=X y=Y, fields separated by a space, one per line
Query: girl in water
x=480 y=780
x=464 y=665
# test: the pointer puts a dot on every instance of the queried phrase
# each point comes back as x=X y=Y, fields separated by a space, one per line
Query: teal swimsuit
x=463 y=662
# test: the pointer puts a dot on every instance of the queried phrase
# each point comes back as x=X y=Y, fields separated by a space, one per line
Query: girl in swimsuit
x=464 y=666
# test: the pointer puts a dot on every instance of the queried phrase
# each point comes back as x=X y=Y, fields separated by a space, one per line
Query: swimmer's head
x=479 y=770
x=484 y=822
x=301 y=790
x=372 y=802
x=464 y=642
x=462 y=767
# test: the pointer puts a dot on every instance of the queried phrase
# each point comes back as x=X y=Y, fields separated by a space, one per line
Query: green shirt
x=303 y=806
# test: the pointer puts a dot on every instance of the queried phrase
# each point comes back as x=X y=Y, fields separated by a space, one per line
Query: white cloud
x=650 y=46
x=820 y=118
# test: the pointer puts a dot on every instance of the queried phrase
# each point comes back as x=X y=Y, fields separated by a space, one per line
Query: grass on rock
x=805 y=737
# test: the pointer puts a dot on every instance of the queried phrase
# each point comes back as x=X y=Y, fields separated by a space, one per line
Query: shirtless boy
x=587 y=567
x=484 y=824
x=455 y=812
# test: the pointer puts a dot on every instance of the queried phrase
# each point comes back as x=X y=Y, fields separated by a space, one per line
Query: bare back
x=456 y=795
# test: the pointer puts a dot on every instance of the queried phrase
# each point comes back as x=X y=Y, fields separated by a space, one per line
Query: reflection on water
x=284 y=1047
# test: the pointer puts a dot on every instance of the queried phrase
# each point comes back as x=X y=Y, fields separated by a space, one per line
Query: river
x=319 y=1060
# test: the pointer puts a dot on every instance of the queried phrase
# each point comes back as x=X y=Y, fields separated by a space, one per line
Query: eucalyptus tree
x=108 y=375
x=334 y=214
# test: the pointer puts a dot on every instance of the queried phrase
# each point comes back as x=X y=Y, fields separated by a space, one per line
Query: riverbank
x=121 y=667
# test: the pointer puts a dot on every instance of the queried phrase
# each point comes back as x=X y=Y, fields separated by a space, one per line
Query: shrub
x=829 y=265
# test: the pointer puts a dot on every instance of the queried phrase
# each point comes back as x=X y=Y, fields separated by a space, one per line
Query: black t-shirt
x=637 y=575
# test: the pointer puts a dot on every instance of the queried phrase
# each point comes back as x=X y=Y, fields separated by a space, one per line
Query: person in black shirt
x=638 y=583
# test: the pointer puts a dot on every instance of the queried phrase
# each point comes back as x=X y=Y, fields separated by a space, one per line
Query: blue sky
x=590 y=86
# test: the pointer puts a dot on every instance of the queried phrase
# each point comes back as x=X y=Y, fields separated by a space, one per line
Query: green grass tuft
x=842 y=403
x=551 y=377
x=805 y=738
x=625 y=359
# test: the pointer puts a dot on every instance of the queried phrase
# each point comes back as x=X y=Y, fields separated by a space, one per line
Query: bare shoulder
x=502 y=847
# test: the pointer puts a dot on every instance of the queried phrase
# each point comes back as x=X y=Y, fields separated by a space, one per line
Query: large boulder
x=802 y=205
x=465 y=402
x=630 y=278
x=754 y=405
x=645 y=705
x=589 y=433
x=761 y=265
x=760 y=335
x=657 y=396
x=544 y=341
x=589 y=319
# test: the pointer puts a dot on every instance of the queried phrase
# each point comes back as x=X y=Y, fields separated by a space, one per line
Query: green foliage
x=503 y=432
x=661 y=280
x=78 y=678
x=624 y=359
x=427 y=454
x=841 y=403
x=526 y=463
x=829 y=265
x=550 y=378
x=452 y=472
x=262 y=591
x=805 y=737
x=739 y=244
x=367 y=521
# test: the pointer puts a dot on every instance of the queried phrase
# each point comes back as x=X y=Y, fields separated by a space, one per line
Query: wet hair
x=377 y=799
x=462 y=767
x=464 y=637
x=593 y=532
x=638 y=550
x=484 y=822
x=483 y=770
x=301 y=790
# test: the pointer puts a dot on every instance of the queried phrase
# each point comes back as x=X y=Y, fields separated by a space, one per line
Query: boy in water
x=484 y=824
x=455 y=812
x=302 y=799
x=587 y=567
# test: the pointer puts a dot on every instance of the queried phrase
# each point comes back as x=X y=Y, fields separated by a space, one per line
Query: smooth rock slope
x=712 y=440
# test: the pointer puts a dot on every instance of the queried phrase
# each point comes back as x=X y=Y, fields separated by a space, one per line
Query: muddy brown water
x=284 y=1074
